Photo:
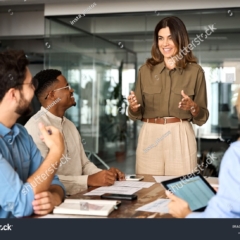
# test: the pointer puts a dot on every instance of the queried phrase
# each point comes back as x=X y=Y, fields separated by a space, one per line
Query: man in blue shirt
x=27 y=183
x=226 y=203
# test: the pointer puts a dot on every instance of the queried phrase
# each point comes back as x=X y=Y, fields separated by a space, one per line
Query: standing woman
x=170 y=93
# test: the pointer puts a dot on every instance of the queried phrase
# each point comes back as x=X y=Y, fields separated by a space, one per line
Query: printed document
x=160 y=206
x=112 y=189
x=133 y=184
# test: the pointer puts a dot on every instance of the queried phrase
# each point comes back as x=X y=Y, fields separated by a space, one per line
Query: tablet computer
x=195 y=190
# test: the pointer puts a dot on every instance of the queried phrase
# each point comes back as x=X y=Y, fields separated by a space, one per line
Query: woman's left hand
x=188 y=104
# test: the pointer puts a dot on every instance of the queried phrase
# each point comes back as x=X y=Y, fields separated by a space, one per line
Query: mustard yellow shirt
x=159 y=92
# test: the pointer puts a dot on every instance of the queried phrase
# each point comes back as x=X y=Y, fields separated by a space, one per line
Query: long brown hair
x=180 y=38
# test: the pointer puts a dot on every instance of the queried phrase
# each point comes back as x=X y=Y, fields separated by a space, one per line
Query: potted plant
x=121 y=129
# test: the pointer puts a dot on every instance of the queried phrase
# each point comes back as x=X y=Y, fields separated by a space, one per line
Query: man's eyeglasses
x=68 y=86
x=34 y=83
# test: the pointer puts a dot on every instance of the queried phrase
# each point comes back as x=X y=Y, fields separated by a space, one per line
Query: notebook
x=86 y=207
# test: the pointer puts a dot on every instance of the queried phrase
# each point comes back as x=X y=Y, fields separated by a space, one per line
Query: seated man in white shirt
x=76 y=172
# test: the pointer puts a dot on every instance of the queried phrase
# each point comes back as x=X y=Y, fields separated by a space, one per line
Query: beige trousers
x=168 y=149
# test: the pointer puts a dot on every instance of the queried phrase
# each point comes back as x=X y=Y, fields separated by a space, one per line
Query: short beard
x=24 y=107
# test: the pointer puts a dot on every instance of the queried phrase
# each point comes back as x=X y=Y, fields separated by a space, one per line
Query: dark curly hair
x=45 y=79
x=13 y=70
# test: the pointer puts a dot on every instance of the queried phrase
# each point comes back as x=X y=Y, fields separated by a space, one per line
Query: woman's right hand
x=132 y=100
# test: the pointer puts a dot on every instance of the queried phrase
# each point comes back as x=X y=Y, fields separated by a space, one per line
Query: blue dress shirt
x=19 y=159
x=226 y=203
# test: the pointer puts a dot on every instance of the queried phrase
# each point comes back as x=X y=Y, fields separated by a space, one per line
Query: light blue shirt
x=226 y=203
x=19 y=159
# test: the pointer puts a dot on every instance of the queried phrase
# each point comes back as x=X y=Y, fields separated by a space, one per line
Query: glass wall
x=101 y=74
x=100 y=55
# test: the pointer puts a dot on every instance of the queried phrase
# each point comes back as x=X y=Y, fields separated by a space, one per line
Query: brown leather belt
x=163 y=120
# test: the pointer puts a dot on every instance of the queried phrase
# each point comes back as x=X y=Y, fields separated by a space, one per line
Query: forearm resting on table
x=45 y=173
x=58 y=194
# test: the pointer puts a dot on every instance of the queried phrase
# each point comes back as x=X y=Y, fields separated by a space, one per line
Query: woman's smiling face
x=166 y=44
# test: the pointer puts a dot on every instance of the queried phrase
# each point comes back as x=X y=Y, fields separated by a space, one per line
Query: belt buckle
x=165 y=121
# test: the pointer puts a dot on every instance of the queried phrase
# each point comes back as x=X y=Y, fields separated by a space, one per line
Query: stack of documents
x=68 y=216
x=160 y=206
x=133 y=184
x=121 y=187
x=86 y=207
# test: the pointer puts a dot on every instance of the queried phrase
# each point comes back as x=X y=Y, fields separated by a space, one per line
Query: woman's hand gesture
x=132 y=100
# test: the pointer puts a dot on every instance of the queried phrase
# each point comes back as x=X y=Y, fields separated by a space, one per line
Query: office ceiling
x=135 y=32
x=20 y=2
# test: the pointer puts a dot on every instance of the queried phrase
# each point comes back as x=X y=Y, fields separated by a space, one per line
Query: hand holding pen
x=52 y=137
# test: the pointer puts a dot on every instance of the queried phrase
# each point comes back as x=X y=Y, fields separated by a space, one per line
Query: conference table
x=127 y=209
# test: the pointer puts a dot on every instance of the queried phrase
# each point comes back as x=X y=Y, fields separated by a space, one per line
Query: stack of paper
x=160 y=206
x=68 y=216
x=86 y=207
x=133 y=184
x=112 y=189
x=121 y=187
